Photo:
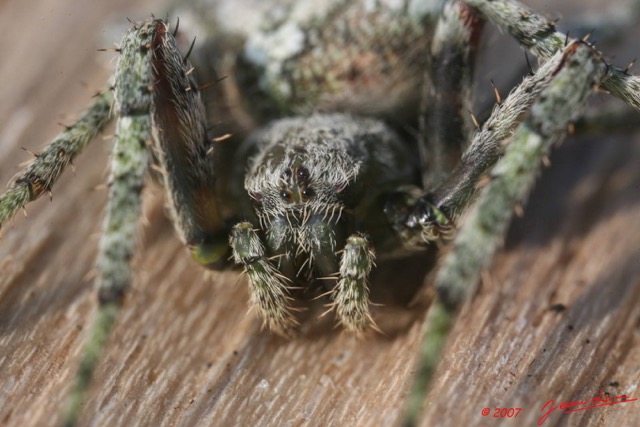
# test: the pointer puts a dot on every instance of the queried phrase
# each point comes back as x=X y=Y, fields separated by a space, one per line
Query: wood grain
x=185 y=352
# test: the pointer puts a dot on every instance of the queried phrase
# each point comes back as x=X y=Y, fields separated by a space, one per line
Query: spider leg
x=133 y=80
x=578 y=72
x=268 y=288
x=428 y=218
x=448 y=86
x=116 y=246
x=514 y=175
x=420 y=218
x=351 y=293
x=539 y=35
x=48 y=165
x=186 y=155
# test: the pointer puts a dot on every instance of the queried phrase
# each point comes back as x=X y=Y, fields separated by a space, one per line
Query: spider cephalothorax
x=314 y=182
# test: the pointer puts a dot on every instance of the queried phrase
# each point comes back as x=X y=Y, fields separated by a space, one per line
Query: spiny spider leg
x=133 y=80
x=447 y=202
x=514 y=174
x=46 y=167
x=540 y=36
x=435 y=213
x=153 y=94
x=576 y=72
x=186 y=155
x=431 y=216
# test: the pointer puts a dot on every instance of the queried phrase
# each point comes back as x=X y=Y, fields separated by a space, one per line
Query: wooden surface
x=185 y=352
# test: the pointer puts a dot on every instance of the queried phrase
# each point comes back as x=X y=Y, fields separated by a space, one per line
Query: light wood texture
x=185 y=352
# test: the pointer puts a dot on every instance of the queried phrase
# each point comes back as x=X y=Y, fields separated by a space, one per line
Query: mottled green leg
x=133 y=93
x=514 y=175
x=576 y=72
x=268 y=288
x=154 y=93
x=454 y=195
x=128 y=167
x=44 y=170
x=351 y=293
x=116 y=246
x=440 y=209
x=428 y=218
x=539 y=35
x=511 y=179
x=435 y=332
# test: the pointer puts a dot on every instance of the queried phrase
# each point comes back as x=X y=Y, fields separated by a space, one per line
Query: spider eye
x=308 y=193
x=303 y=173
x=286 y=196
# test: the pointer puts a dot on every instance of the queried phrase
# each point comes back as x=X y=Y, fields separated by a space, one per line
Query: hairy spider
x=324 y=189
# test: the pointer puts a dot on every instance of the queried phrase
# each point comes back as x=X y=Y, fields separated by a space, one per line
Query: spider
x=300 y=256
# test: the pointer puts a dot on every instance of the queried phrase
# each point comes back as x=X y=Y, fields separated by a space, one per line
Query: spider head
x=299 y=202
